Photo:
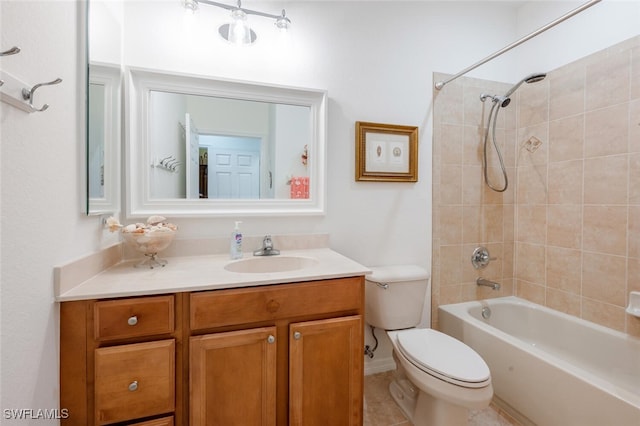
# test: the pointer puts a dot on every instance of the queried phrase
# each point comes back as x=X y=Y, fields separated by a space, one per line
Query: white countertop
x=196 y=273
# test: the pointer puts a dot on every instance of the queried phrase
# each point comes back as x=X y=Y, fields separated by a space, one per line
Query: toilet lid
x=444 y=357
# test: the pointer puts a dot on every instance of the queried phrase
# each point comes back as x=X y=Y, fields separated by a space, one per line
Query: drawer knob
x=271 y=339
x=133 y=320
x=297 y=335
x=133 y=386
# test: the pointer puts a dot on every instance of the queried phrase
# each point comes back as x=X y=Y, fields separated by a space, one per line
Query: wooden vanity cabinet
x=316 y=332
x=119 y=361
x=276 y=355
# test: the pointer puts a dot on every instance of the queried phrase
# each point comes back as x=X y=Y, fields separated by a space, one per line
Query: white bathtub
x=551 y=368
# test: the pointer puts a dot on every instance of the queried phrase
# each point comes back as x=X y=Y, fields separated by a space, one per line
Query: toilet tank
x=395 y=295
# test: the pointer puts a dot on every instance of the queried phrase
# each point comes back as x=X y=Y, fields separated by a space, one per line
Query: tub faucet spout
x=481 y=281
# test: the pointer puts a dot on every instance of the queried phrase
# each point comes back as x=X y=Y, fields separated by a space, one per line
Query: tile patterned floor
x=381 y=410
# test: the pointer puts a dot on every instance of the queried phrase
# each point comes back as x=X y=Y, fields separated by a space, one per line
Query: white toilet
x=438 y=378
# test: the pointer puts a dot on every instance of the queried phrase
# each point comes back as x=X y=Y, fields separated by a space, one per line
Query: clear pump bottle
x=235 y=250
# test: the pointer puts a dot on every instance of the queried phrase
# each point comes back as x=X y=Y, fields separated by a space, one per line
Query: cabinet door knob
x=133 y=320
x=297 y=335
x=271 y=339
x=133 y=386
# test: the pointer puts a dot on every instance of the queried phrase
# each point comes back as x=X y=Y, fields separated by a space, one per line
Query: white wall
x=375 y=59
x=42 y=223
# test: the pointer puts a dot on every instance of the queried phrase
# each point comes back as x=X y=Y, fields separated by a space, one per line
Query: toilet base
x=424 y=409
x=405 y=395
x=421 y=409
x=431 y=411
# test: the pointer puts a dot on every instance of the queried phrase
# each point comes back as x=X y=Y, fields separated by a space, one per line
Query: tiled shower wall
x=566 y=233
x=467 y=214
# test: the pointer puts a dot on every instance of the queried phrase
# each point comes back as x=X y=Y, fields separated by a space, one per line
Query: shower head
x=533 y=78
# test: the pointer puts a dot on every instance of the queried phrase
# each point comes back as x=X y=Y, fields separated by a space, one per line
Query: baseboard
x=373 y=366
x=511 y=412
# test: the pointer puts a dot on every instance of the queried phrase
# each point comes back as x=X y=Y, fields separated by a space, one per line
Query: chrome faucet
x=487 y=283
x=267 y=248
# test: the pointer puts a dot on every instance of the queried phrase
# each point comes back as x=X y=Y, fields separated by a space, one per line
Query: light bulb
x=239 y=32
x=190 y=6
x=283 y=23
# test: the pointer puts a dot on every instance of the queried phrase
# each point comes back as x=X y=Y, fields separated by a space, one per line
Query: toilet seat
x=444 y=357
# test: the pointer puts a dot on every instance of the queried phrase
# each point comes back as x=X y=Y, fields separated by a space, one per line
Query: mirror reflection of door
x=233 y=166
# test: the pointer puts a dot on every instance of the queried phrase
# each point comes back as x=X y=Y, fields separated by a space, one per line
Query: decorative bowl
x=149 y=243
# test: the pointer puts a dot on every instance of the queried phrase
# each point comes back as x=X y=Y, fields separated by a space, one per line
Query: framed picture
x=386 y=152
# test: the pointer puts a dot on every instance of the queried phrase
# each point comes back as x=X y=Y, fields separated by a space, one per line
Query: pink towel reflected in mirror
x=299 y=187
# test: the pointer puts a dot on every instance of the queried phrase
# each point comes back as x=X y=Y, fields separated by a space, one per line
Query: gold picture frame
x=386 y=152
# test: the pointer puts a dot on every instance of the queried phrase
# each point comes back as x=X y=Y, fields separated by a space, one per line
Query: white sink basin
x=258 y=265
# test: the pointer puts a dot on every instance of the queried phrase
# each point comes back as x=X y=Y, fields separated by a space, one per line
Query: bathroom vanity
x=146 y=347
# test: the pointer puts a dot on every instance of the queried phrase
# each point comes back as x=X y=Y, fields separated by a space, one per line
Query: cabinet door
x=233 y=378
x=326 y=372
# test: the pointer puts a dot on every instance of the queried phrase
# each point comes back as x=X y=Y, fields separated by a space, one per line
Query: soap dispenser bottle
x=235 y=251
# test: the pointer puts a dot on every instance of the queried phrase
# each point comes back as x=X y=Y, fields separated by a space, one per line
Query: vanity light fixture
x=238 y=31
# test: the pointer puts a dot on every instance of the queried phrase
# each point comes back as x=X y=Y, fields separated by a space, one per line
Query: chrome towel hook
x=11 y=51
x=27 y=94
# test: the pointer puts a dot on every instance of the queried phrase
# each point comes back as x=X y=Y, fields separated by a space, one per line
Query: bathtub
x=549 y=368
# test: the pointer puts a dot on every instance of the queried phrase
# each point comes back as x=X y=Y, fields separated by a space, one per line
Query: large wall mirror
x=192 y=144
x=202 y=146
x=104 y=107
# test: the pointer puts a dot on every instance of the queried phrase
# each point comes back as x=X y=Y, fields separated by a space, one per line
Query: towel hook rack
x=169 y=163
x=27 y=94
x=11 y=51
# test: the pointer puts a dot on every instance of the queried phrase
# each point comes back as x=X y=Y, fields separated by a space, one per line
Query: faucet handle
x=267 y=248
x=481 y=257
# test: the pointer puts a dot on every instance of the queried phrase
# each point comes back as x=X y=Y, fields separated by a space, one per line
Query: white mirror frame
x=140 y=82
x=110 y=77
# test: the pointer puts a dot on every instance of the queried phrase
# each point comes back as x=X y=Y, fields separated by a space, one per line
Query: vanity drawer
x=125 y=318
x=220 y=308
x=134 y=381
x=165 y=421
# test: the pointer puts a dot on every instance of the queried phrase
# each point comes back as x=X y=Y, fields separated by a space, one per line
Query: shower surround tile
x=564 y=269
x=568 y=303
x=566 y=92
x=566 y=138
x=604 y=278
x=605 y=229
x=607 y=81
x=606 y=180
x=634 y=125
x=565 y=182
x=571 y=214
x=606 y=131
x=564 y=226
x=635 y=73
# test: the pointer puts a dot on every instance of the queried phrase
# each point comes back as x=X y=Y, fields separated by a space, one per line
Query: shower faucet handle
x=481 y=257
